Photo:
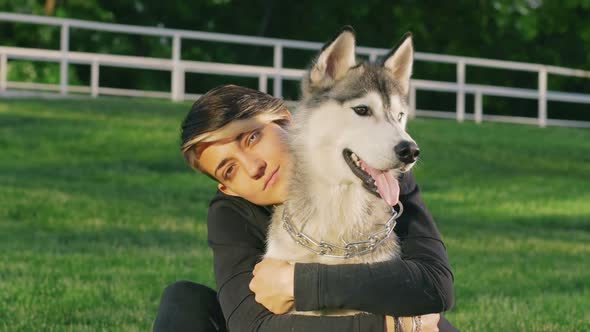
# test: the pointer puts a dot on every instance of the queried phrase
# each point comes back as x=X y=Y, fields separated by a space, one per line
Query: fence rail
x=179 y=67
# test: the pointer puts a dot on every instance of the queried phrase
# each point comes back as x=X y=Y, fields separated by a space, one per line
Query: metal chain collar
x=349 y=250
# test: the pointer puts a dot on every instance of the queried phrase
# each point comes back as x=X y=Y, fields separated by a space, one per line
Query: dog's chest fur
x=331 y=227
x=352 y=215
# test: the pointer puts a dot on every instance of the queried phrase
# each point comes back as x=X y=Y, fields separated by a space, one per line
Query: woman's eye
x=228 y=172
x=253 y=138
x=400 y=116
x=362 y=110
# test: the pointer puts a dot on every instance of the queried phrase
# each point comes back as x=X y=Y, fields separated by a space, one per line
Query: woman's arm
x=237 y=247
x=421 y=282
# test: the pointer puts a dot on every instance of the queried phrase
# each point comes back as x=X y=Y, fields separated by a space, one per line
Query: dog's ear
x=400 y=61
x=334 y=60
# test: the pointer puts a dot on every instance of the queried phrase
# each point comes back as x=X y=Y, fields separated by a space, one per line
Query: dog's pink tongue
x=387 y=184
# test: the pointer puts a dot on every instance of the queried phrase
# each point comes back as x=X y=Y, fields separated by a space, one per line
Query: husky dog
x=349 y=146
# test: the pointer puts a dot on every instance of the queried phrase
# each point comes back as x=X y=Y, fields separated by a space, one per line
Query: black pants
x=188 y=306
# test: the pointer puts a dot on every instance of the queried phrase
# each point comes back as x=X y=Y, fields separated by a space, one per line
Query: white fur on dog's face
x=326 y=124
x=333 y=127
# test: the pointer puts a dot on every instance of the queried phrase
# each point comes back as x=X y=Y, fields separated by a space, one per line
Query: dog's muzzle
x=353 y=162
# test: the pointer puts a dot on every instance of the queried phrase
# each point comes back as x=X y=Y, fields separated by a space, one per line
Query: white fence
x=179 y=67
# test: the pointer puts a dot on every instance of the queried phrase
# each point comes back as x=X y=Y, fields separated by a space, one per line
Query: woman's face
x=253 y=165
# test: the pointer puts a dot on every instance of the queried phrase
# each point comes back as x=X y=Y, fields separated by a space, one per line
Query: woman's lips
x=272 y=179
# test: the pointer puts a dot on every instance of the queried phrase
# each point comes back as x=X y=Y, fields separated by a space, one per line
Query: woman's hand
x=273 y=285
x=428 y=322
x=424 y=323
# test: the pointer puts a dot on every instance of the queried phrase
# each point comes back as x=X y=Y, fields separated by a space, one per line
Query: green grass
x=98 y=213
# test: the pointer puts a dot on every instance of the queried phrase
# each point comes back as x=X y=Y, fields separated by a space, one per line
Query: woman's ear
x=224 y=189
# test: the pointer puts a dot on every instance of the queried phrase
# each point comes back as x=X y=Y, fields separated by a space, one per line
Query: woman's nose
x=255 y=167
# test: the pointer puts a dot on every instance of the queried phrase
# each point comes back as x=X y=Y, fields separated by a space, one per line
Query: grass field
x=98 y=213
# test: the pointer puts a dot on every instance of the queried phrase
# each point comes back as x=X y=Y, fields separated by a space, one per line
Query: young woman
x=237 y=136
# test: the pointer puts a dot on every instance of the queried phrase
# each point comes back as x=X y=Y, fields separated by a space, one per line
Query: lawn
x=98 y=212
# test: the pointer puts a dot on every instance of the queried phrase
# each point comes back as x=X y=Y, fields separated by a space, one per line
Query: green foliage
x=540 y=31
x=98 y=213
x=49 y=73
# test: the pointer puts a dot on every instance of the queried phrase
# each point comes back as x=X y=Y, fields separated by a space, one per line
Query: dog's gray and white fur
x=325 y=195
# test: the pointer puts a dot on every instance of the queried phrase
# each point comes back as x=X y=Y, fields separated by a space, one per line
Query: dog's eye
x=362 y=110
x=400 y=116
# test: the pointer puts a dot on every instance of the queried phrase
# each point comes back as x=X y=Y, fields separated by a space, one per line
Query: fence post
x=278 y=65
x=177 y=93
x=94 y=78
x=412 y=102
x=3 y=71
x=263 y=83
x=543 y=97
x=478 y=112
x=63 y=66
x=460 y=90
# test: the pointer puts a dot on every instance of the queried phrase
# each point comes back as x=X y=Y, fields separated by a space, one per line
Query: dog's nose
x=407 y=152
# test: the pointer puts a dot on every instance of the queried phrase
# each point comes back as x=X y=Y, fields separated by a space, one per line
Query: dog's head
x=352 y=118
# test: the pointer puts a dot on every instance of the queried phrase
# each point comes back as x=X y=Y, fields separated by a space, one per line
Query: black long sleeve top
x=419 y=283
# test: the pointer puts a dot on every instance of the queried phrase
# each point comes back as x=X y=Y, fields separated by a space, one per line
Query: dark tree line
x=540 y=31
